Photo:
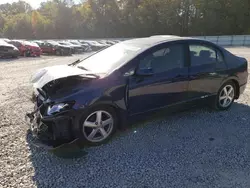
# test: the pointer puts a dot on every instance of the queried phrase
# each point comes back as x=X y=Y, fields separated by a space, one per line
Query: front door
x=168 y=83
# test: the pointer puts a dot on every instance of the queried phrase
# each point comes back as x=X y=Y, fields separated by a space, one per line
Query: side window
x=219 y=56
x=19 y=44
x=201 y=55
x=164 y=59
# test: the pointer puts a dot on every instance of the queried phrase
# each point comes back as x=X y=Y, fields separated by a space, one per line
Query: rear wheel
x=70 y=53
x=98 y=125
x=26 y=54
x=225 y=96
x=58 y=52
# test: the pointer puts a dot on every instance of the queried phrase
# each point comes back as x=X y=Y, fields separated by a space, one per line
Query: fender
x=235 y=78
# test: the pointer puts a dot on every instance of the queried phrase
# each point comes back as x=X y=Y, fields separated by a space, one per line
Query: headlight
x=56 y=108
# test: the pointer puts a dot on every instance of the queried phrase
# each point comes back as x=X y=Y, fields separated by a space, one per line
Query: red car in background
x=27 y=48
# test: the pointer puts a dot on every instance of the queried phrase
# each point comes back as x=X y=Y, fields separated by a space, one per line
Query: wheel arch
x=235 y=80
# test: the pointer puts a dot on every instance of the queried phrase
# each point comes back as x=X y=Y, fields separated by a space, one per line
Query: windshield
x=64 y=43
x=53 y=42
x=110 y=58
x=74 y=42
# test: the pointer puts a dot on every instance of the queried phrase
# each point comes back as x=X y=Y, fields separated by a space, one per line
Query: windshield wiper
x=81 y=67
x=75 y=62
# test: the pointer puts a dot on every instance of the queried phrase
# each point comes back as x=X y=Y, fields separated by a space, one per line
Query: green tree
x=124 y=18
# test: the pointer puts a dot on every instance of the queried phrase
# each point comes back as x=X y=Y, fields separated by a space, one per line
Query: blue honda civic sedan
x=90 y=99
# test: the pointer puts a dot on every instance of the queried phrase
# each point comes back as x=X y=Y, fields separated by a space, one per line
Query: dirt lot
x=198 y=148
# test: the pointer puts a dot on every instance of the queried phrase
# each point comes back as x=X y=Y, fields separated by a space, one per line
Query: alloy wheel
x=226 y=96
x=98 y=126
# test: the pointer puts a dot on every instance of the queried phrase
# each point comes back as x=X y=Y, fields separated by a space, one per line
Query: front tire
x=26 y=54
x=58 y=52
x=98 y=125
x=225 y=96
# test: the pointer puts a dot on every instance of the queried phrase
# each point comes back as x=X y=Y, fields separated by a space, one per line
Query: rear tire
x=58 y=52
x=96 y=131
x=25 y=54
x=70 y=53
x=225 y=97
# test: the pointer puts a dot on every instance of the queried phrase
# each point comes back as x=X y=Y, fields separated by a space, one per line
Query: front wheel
x=26 y=53
x=58 y=52
x=225 y=96
x=98 y=125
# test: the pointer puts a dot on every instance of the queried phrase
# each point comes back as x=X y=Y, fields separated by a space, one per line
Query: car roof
x=152 y=41
x=3 y=43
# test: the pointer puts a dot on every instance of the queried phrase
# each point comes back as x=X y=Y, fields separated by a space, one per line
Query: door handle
x=192 y=77
x=212 y=73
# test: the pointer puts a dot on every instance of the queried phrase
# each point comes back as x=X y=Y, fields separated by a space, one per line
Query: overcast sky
x=33 y=3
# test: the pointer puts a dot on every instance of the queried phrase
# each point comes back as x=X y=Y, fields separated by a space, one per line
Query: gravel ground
x=197 y=148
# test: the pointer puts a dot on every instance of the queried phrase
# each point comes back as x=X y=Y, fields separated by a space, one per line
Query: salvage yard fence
x=230 y=40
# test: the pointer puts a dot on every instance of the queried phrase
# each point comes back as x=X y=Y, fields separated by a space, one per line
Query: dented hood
x=48 y=74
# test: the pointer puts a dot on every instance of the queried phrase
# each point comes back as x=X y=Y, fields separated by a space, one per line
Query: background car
x=75 y=48
x=27 y=48
x=110 y=42
x=8 y=50
x=140 y=76
x=5 y=40
x=95 y=46
x=54 y=48
x=85 y=46
x=38 y=42
x=105 y=43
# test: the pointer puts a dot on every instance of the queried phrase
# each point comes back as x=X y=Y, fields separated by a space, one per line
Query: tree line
x=61 y=19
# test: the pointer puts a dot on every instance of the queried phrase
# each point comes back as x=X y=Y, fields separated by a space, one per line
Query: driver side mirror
x=145 y=72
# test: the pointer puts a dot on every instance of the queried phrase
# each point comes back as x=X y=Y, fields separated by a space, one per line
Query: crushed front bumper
x=51 y=133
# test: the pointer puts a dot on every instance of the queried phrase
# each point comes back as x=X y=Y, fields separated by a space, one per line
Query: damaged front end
x=50 y=132
x=56 y=112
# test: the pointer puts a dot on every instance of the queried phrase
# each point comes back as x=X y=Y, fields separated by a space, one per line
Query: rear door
x=166 y=86
x=207 y=70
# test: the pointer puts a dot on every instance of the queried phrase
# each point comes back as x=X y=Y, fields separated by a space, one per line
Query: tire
x=219 y=103
x=89 y=125
x=58 y=52
x=27 y=53
x=70 y=53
